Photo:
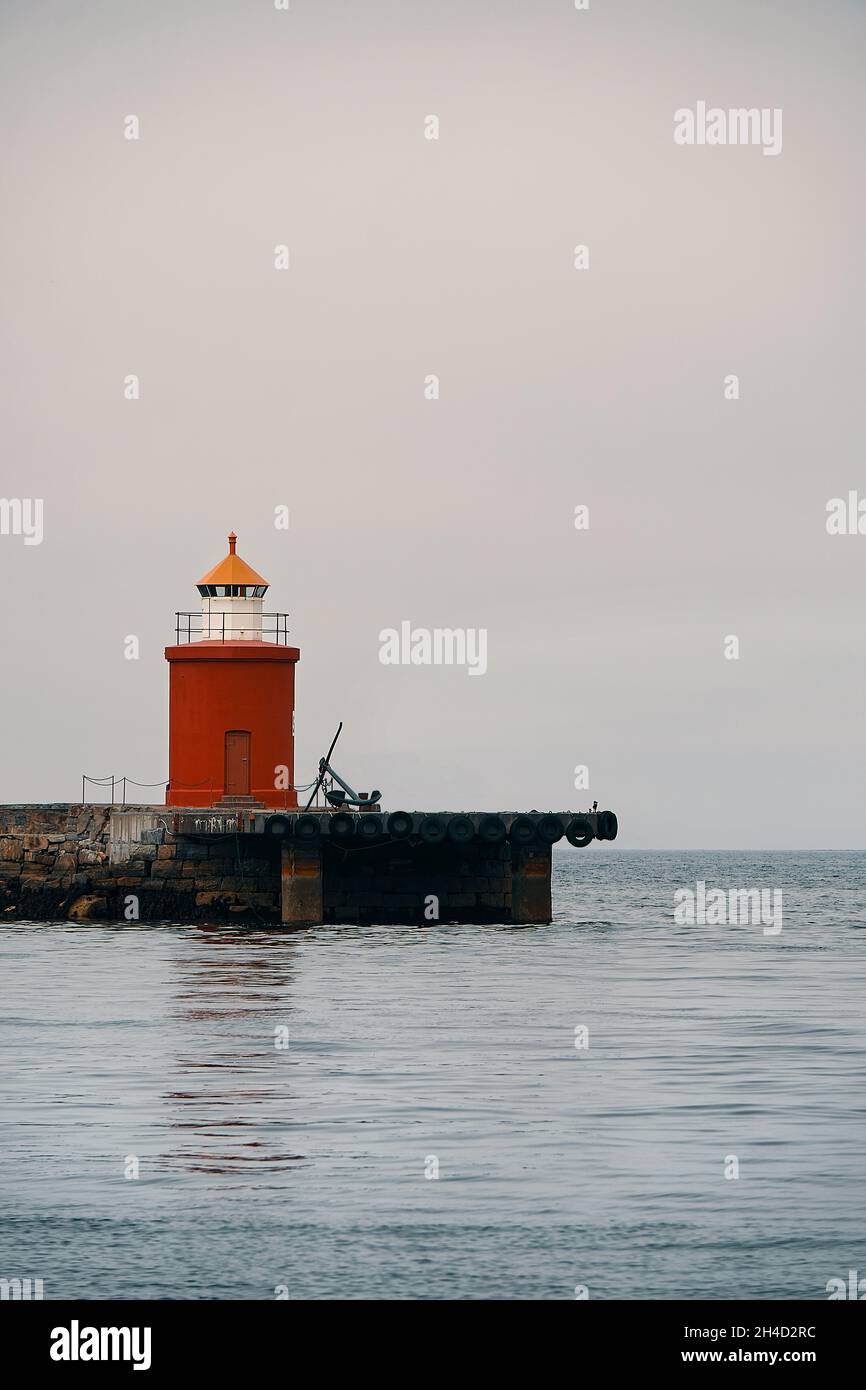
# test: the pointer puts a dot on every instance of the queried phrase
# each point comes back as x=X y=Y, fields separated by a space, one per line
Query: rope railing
x=116 y=781
x=123 y=782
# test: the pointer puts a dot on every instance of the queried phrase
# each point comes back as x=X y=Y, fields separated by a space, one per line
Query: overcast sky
x=558 y=387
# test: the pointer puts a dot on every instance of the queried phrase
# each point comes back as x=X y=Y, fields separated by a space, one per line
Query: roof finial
x=233 y=540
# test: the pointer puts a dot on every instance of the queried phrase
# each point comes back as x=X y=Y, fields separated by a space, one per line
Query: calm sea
x=307 y=1167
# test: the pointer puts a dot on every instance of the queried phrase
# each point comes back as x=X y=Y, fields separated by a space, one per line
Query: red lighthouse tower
x=231 y=695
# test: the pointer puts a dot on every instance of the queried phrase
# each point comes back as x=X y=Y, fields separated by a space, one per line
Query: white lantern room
x=232 y=595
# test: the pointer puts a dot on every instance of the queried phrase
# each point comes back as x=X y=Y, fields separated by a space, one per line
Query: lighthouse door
x=237 y=781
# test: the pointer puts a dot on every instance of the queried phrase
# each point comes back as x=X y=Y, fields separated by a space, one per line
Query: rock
x=87 y=907
x=191 y=851
x=31 y=871
x=166 y=869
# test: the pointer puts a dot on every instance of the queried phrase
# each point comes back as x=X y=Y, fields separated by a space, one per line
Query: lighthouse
x=231 y=695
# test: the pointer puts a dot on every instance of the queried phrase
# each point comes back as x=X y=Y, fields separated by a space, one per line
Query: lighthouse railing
x=227 y=627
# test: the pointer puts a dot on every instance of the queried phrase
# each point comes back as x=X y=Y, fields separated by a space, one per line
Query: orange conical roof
x=232 y=570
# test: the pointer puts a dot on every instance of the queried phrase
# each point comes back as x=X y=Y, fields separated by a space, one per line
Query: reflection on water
x=227 y=1100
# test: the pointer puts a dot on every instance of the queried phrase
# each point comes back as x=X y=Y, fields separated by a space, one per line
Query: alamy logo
x=846 y=516
x=738 y=126
x=854 y=1289
x=441 y=646
x=738 y=907
x=20 y=1289
x=22 y=516
x=76 y=1343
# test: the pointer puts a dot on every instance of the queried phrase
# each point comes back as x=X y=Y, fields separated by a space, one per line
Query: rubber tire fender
x=522 y=830
x=491 y=829
x=550 y=829
x=432 y=829
x=279 y=825
x=400 y=824
x=308 y=828
x=579 y=832
x=370 y=826
x=342 y=826
x=461 y=830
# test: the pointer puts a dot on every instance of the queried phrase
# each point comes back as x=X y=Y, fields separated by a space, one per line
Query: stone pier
x=70 y=862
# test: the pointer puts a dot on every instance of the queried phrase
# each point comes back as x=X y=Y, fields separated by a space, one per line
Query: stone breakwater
x=61 y=862
x=99 y=863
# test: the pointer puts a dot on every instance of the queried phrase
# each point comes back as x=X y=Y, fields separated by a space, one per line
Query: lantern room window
x=232 y=590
